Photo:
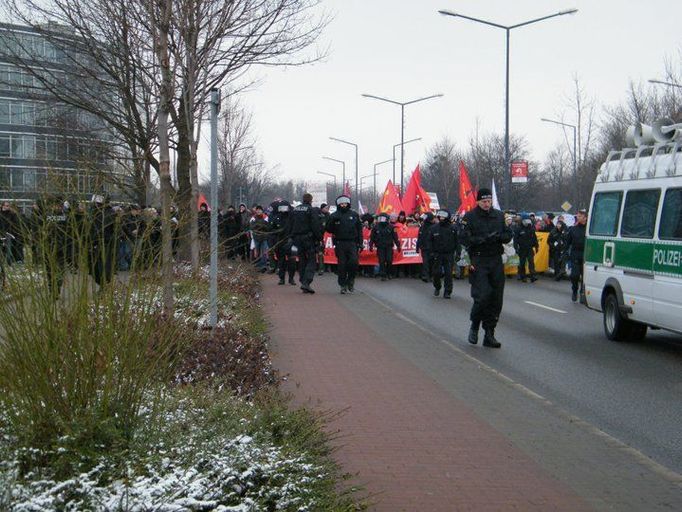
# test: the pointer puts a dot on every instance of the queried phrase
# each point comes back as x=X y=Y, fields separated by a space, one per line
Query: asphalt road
x=632 y=391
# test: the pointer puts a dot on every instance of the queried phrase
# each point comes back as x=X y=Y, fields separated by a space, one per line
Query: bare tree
x=440 y=174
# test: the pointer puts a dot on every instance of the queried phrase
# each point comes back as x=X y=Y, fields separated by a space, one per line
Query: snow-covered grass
x=204 y=451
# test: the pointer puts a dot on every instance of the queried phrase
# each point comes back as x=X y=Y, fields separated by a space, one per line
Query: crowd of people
x=286 y=239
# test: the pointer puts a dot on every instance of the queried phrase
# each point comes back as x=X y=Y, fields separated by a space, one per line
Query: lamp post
x=575 y=141
x=507 y=29
x=402 y=105
x=395 y=146
x=333 y=176
x=381 y=163
x=343 y=166
x=356 y=160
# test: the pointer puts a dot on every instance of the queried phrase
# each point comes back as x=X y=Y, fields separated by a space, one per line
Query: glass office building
x=45 y=146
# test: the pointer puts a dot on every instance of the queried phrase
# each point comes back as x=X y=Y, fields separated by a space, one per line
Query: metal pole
x=394 y=165
x=374 y=186
x=213 y=291
x=575 y=158
x=343 y=167
x=507 y=163
x=357 y=192
x=402 y=146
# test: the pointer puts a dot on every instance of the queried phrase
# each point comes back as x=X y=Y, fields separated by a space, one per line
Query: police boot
x=306 y=288
x=473 y=334
x=344 y=290
x=489 y=339
x=436 y=292
x=292 y=282
x=281 y=280
x=447 y=295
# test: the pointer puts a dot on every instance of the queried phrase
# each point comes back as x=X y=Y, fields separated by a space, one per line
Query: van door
x=667 y=260
x=634 y=252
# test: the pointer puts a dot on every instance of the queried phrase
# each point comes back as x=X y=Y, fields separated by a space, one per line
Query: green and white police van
x=633 y=246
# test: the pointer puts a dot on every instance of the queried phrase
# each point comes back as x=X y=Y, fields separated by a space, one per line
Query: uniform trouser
x=54 y=273
x=526 y=256
x=426 y=264
x=576 y=271
x=441 y=268
x=487 y=289
x=385 y=257
x=558 y=262
x=285 y=263
x=347 y=255
x=307 y=254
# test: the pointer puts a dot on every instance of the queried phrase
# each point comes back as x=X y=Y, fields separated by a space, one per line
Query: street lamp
x=381 y=163
x=395 y=146
x=356 y=160
x=671 y=84
x=343 y=164
x=508 y=30
x=575 y=139
x=402 y=105
x=329 y=174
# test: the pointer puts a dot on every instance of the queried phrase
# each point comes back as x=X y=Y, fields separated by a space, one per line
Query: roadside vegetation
x=106 y=403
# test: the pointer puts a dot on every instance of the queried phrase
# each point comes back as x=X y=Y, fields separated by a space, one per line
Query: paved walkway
x=412 y=444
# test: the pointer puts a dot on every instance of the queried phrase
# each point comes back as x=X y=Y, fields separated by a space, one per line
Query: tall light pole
x=333 y=176
x=375 y=171
x=575 y=142
x=402 y=105
x=356 y=160
x=507 y=29
x=343 y=167
x=395 y=146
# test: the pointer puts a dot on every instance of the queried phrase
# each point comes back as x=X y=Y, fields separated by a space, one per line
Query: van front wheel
x=615 y=326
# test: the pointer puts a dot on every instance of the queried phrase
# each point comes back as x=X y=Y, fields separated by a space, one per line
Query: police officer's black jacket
x=305 y=222
x=423 y=239
x=557 y=239
x=483 y=233
x=345 y=226
x=443 y=238
x=383 y=235
x=525 y=238
x=575 y=240
x=50 y=227
x=279 y=224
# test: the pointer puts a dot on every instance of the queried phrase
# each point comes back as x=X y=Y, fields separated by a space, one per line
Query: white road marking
x=544 y=307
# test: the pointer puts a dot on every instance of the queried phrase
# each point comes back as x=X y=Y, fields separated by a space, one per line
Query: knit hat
x=484 y=193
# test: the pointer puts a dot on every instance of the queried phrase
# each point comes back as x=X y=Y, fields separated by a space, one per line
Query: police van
x=633 y=246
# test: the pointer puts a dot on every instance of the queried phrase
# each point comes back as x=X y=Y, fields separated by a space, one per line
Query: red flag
x=390 y=200
x=412 y=191
x=467 y=194
x=423 y=201
x=346 y=189
x=202 y=200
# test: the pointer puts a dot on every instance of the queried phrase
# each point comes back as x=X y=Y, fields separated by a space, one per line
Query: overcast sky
x=403 y=49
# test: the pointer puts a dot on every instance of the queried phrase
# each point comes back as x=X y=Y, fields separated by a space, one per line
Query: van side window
x=639 y=213
x=605 y=212
x=671 y=216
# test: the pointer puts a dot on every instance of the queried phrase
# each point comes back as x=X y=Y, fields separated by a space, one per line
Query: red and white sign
x=406 y=255
x=519 y=171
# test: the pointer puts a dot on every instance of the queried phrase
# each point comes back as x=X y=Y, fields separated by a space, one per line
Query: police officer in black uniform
x=384 y=238
x=305 y=233
x=279 y=223
x=526 y=245
x=575 y=245
x=444 y=245
x=424 y=246
x=51 y=227
x=484 y=232
x=346 y=230
x=103 y=237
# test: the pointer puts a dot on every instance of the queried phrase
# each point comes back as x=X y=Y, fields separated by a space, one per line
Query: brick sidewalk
x=414 y=446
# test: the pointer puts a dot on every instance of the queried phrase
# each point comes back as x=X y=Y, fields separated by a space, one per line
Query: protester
x=260 y=230
x=526 y=244
x=575 y=245
x=204 y=220
x=557 y=243
x=484 y=233
x=323 y=215
x=346 y=230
